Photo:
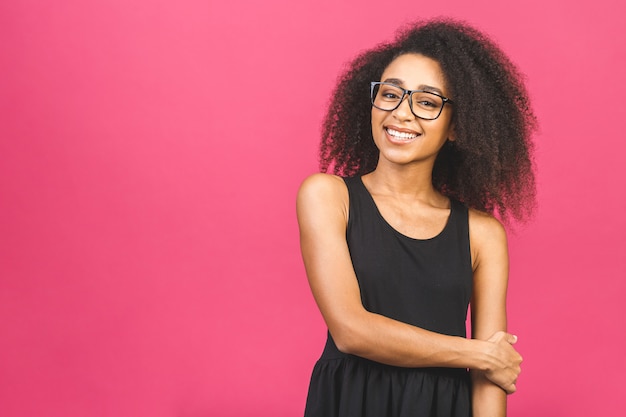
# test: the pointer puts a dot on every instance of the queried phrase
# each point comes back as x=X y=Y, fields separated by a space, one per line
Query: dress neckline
x=395 y=231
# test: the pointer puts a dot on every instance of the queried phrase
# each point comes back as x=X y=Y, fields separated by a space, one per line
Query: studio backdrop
x=150 y=154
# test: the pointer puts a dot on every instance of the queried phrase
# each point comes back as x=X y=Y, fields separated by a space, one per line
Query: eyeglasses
x=424 y=104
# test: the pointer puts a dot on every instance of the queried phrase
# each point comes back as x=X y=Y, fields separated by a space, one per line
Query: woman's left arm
x=490 y=262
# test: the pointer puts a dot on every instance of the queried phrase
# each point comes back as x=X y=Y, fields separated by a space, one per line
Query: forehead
x=415 y=70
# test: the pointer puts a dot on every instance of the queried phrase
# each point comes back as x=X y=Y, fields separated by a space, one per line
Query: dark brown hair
x=489 y=166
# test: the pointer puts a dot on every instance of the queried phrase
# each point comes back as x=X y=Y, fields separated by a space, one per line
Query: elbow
x=348 y=339
x=344 y=345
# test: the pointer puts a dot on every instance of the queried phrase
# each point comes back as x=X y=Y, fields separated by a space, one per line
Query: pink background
x=150 y=152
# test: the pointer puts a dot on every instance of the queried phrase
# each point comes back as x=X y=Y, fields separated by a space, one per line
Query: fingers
x=507 y=337
x=506 y=362
x=503 y=336
x=506 y=381
x=512 y=339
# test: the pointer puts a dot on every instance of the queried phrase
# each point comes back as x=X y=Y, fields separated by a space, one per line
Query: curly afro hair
x=489 y=166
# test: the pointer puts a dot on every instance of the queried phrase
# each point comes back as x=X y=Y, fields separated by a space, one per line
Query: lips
x=401 y=134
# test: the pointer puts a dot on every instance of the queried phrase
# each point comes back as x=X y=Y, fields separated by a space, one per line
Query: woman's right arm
x=322 y=208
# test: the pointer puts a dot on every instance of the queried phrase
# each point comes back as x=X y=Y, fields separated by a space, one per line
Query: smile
x=401 y=135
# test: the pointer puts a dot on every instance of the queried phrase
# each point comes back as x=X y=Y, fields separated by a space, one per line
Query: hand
x=504 y=361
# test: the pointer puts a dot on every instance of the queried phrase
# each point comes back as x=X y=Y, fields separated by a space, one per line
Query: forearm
x=388 y=341
x=488 y=399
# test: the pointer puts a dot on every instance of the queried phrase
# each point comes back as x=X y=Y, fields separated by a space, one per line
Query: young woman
x=428 y=136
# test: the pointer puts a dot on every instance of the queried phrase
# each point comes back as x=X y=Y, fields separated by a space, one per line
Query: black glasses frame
x=410 y=94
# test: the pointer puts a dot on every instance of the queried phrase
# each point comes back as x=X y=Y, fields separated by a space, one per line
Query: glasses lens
x=424 y=105
x=427 y=105
x=386 y=96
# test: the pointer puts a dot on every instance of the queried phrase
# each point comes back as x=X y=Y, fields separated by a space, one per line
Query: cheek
x=377 y=124
x=377 y=117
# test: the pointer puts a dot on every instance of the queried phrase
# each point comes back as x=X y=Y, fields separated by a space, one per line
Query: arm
x=322 y=209
x=491 y=265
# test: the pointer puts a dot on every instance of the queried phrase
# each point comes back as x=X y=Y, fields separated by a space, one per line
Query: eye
x=427 y=101
x=390 y=93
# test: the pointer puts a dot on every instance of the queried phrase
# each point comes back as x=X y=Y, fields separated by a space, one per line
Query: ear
x=451 y=134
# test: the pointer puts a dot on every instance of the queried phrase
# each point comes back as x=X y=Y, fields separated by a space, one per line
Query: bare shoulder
x=322 y=182
x=322 y=188
x=322 y=196
x=487 y=235
x=485 y=226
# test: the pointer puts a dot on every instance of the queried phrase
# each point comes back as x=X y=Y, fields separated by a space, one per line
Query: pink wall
x=150 y=152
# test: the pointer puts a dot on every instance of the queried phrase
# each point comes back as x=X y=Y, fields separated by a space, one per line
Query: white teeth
x=401 y=135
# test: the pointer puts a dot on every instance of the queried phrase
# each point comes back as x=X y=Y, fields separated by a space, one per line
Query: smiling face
x=400 y=136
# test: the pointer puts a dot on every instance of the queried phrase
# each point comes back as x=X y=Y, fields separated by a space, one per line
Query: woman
x=429 y=137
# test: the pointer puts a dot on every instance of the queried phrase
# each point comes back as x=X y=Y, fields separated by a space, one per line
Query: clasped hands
x=503 y=361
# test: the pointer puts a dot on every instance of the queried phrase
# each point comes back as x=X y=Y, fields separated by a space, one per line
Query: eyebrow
x=424 y=87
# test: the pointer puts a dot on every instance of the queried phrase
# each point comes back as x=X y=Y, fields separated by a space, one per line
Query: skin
x=401 y=186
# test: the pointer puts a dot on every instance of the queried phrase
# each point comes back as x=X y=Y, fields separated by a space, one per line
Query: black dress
x=426 y=283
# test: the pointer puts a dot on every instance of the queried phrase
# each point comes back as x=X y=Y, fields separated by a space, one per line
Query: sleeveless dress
x=426 y=283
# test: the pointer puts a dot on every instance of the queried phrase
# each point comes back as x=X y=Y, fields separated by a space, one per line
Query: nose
x=403 y=111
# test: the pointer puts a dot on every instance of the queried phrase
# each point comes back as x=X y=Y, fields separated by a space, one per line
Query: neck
x=406 y=180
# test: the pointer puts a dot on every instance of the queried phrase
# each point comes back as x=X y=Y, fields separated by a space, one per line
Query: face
x=401 y=137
